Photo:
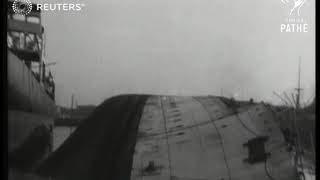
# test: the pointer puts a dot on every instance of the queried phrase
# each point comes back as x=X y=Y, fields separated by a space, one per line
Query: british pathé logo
x=294 y=22
x=23 y=7
x=294 y=6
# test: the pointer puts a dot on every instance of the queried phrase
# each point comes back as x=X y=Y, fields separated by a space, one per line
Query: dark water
x=60 y=134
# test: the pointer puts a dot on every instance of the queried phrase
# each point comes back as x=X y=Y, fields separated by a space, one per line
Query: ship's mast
x=299 y=87
x=72 y=101
x=299 y=150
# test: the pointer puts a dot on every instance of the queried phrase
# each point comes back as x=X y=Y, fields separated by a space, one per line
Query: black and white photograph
x=160 y=89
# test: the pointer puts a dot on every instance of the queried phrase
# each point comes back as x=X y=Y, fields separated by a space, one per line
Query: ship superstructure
x=31 y=93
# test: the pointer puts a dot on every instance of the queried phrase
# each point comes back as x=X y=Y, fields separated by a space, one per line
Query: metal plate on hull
x=24 y=92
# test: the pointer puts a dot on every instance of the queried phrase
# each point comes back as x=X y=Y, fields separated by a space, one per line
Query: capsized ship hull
x=202 y=138
x=174 y=137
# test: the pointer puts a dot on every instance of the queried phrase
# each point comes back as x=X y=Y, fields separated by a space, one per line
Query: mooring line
x=220 y=137
x=165 y=128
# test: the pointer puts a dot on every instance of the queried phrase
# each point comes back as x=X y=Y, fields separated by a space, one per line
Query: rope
x=255 y=134
x=220 y=137
x=245 y=126
x=267 y=171
x=265 y=162
x=167 y=141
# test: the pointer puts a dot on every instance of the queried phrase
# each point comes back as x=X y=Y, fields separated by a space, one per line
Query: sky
x=178 y=47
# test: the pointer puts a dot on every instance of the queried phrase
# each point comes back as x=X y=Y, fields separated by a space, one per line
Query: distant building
x=82 y=111
x=72 y=117
x=63 y=112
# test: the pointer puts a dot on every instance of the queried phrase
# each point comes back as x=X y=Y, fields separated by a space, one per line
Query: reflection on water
x=60 y=134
